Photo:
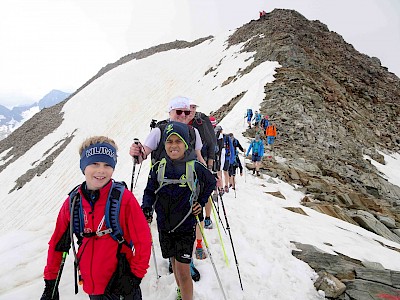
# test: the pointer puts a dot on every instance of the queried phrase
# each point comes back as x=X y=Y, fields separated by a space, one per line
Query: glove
x=48 y=290
x=148 y=214
x=135 y=281
x=196 y=208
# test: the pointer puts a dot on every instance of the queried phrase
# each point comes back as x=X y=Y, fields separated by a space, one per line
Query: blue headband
x=100 y=152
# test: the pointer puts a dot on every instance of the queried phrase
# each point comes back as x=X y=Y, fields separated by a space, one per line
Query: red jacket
x=98 y=254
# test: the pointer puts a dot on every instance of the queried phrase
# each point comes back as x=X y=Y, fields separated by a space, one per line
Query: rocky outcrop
x=341 y=277
x=332 y=105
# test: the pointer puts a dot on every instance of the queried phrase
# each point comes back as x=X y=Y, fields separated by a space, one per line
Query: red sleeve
x=139 y=235
x=54 y=257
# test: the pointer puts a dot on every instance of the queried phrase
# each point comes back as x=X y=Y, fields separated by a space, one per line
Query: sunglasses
x=179 y=112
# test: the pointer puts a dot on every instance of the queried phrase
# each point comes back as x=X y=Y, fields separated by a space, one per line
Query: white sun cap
x=179 y=103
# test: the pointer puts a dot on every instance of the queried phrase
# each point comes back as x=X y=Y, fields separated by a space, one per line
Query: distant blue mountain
x=52 y=98
x=10 y=119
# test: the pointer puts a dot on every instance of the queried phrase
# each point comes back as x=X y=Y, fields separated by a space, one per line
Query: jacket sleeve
x=207 y=181
x=139 y=236
x=54 y=257
x=149 y=196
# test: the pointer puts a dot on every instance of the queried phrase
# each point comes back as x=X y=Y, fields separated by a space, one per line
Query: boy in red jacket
x=99 y=253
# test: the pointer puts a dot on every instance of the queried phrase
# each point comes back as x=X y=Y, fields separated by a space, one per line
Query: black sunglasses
x=180 y=111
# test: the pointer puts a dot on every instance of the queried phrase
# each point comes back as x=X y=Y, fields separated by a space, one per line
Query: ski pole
x=244 y=167
x=137 y=177
x=154 y=254
x=230 y=236
x=219 y=217
x=209 y=255
x=135 y=160
x=220 y=237
x=64 y=256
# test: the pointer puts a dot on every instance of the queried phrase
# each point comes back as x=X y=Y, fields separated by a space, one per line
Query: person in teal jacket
x=257 y=152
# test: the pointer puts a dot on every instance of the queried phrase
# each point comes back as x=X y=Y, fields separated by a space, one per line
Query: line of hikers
x=190 y=158
x=263 y=129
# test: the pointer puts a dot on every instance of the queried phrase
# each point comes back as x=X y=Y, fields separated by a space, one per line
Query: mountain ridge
x=10 y=119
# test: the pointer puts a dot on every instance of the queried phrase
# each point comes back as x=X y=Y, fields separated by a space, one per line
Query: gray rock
x=369 y=222
x=387 y=221
x=328 y=283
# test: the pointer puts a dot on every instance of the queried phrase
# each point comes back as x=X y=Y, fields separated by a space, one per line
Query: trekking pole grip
x=136 y=142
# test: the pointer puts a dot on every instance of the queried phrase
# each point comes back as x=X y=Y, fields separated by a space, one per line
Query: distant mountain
x=11 y=119
x=52 y=98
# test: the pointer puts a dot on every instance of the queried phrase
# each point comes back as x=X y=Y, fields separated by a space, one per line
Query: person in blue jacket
x=257 y=152
x=229 y=159
x=257 y=119
x=249 y=115
x=178 y=187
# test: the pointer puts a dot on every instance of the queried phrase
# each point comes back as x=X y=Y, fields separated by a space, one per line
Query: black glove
x=48 y=290
x=148 y=213
x=196 y=208
x=135 y=281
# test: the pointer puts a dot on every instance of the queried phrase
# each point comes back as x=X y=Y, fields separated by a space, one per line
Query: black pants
x=135 y=295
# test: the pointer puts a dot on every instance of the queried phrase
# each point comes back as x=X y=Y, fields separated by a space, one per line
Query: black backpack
x=203 y=124
x=159 y=153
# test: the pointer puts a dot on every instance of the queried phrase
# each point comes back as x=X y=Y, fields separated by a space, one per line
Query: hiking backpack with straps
x=189 y=179
x=159 y=153
x=111 y=216
x=203 y=124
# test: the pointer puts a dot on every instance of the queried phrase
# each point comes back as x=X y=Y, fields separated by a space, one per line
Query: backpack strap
x=187 y=179
x=77 y=220
x=111 y=216
x=190 y=179
x=112 y=211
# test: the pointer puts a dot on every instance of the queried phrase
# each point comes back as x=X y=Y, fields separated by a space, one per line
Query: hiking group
x=192 y=163
x=264 y=130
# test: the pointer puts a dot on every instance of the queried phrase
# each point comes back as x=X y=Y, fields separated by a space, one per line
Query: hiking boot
x=226 y=189
x=208 y=223
x=254 y=171
x=258 y=173
x=178 y=294
x=200 y=254
x=194 y=273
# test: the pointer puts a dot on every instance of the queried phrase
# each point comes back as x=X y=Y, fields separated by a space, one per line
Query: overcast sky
x=60 y=44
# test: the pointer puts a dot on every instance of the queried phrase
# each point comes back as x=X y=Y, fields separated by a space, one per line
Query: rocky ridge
x=332 y=105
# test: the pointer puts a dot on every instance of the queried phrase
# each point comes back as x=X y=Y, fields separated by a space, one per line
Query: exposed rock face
x=349 y=278
x=331 y=105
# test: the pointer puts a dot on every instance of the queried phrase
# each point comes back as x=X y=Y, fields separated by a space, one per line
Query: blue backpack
x=111 y=214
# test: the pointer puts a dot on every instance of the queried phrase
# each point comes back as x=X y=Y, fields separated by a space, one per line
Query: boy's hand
x=196 y=208
x=148 y=214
